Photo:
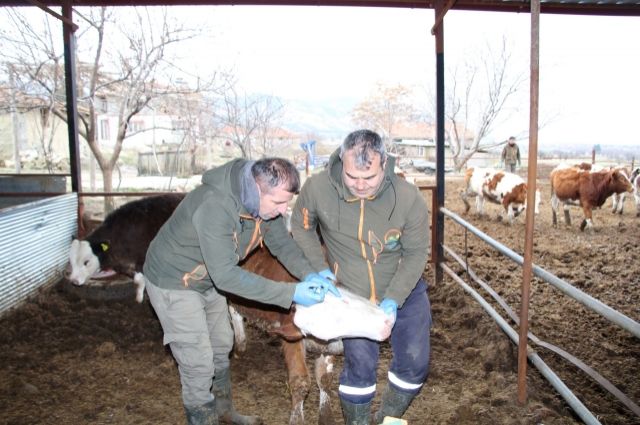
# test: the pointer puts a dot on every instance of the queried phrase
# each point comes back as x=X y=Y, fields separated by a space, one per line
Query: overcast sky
x=589 y=66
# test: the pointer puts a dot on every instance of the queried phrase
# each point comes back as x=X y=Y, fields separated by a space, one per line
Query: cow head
x=620 y=182
x=84 y=263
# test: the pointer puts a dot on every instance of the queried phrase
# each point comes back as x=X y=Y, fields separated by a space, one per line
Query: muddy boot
x=202 y=415
x=394 y=403
x=222 y=392
x=355 y=414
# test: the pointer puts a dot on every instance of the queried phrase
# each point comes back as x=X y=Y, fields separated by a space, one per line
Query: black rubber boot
x=202 y=415
x=224 y=406
x=394 y=404
x=355 y=414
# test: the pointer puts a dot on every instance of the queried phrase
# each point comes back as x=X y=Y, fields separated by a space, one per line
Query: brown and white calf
x=498 y=187
x=588 y=189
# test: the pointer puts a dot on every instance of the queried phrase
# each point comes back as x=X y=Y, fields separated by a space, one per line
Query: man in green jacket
x=376 y=231
x=510 y=155
x=193 y=262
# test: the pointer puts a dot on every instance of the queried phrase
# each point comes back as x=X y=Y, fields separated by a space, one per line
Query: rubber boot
x=355 y=414
x=202 y=415
x=221 y=389
x=394 y=404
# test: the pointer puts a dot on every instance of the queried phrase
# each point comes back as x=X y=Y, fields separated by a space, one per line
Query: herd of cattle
x=584 y=185
x=120 y=243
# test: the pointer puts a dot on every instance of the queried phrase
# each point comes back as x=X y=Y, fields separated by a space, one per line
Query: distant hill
x=327 y=119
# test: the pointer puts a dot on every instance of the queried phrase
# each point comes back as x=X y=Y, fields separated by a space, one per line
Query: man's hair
x=512 y=139
x=365 y=143
x=272 y=172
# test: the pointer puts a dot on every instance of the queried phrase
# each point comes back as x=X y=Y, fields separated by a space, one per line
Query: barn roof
x=588 y=7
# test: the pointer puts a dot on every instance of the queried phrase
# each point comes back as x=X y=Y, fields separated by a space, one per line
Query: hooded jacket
x=376 y=247
x=211 y=231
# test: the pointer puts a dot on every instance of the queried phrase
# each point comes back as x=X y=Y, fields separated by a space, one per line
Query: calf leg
x=567 y=217
x=294 y=357
x=324 y=378
x=239 y=335
x=140 y=282
x=587 y=222
x=555 y=203
x=465 y=198
x=480 y=205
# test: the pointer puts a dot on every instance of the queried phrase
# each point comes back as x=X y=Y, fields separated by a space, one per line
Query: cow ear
x=100 y=247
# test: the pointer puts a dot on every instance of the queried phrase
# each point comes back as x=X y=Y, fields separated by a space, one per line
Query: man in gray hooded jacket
x=193 y=262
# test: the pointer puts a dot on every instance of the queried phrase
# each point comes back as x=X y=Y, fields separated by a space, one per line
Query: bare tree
x=248 y=120
x=479 y=93
x=33 y=64
x=125 y=61
x=384 y=110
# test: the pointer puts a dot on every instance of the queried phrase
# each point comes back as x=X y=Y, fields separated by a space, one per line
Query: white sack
x=348 y=316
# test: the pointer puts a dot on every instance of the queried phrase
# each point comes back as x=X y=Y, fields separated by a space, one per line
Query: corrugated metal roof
x=594 y=7
x=34 y=246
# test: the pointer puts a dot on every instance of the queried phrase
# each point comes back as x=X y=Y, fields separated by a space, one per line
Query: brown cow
x=573 y=186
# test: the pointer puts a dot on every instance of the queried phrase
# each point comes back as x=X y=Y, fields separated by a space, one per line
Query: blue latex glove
x=307 y=294
x=322 y=283
x=389 y=306
x=328 y=274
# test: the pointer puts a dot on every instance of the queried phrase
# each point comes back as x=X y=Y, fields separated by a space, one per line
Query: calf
x=589 y=189
x=119 y=244
x=499 y=187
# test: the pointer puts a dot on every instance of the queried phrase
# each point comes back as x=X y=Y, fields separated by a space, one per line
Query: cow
x=114 y=246
x=121 y=243
x=617 y=199
x=589 y=189
x=635 y=182
x=499 y=187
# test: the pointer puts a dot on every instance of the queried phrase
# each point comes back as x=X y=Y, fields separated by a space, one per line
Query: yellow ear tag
x=104 y=247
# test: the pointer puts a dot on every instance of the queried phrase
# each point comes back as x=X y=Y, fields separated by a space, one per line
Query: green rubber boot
x=222 y=392
x=355 y=414
x=394 y=404
x=202 y=415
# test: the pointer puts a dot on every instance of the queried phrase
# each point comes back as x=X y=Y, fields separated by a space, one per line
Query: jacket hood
x=237 y=176
x=335 y=176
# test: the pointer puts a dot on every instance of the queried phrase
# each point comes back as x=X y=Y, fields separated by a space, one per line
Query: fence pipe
x=546 y=371
x=587 y=300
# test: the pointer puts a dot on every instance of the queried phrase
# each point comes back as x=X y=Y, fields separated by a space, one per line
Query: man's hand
x=323 y=282
x=328 y=274
x=389 y=306
x=313 y=289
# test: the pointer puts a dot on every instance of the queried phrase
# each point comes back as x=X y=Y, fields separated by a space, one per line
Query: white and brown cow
x=588 y=189
x=498 y=187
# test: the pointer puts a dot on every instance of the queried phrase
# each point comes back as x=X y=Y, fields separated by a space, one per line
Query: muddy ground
x=72 y=360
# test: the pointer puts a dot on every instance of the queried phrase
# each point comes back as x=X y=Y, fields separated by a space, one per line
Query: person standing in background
x=511 y=155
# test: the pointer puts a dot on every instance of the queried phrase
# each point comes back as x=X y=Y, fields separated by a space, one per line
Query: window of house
x=104 y=130
x=135 y=126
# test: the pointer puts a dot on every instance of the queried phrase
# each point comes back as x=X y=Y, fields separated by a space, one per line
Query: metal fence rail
x=593 y=304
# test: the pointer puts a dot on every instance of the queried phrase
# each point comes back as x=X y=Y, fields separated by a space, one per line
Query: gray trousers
x=510 y=167
x=197 y=327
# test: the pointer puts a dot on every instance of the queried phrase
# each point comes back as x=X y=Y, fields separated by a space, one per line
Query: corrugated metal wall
x=34 y=246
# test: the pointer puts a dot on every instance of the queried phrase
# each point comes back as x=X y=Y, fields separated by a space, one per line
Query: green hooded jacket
x=376 y=247
x=210 y=232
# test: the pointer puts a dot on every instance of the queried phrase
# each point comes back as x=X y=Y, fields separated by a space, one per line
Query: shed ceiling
x=582 y=7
